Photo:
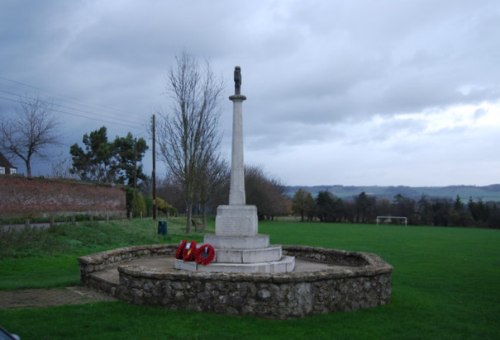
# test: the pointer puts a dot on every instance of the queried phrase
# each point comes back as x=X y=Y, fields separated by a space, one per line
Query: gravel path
x=27 y=298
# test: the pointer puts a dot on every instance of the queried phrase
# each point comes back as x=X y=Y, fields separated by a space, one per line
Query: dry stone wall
x=21 y=197
x=365 y=282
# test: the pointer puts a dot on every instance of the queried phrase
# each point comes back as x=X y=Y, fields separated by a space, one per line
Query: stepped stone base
x=285 y=265
x=237 y=242
x=254 y=255
x=238 y=247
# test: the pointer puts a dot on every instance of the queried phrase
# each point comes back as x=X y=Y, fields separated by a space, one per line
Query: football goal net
x=391 y=219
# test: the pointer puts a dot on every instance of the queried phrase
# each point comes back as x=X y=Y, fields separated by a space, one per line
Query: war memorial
x=245 y=274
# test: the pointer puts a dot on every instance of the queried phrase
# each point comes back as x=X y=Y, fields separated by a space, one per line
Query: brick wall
x=20 y=196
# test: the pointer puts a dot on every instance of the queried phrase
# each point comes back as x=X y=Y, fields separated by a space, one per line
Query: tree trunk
x=28 y=168
x=204 y=214
x=189 y=217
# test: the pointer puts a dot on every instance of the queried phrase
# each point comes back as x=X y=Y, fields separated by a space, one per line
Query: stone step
x=285 y=265
x=268 y=254
x=237 y=242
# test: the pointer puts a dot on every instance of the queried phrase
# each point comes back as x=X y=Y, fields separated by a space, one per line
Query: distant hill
x=486 y=193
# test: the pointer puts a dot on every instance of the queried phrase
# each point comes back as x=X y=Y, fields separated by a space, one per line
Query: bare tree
x=62 y=168
x=266 y=193
x=188 y=138
x=214 y=176
x=30 y=132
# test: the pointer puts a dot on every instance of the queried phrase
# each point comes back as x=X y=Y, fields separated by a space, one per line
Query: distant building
x=5 y=167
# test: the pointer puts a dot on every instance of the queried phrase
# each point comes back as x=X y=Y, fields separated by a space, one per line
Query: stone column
x=237 y=218
x=237 y=185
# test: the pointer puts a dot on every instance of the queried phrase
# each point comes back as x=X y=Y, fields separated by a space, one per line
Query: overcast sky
x=338 y=92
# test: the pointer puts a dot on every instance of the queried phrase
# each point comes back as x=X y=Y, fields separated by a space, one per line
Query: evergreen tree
x=109 y=162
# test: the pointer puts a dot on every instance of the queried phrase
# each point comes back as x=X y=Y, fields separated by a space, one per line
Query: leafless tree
x=62 y=169
x=211 y=179
x=188 y=137
x=32 y=130
x=266 y=193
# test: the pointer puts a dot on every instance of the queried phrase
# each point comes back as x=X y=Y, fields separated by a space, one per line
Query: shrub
x=165 y=208
x=136 y=205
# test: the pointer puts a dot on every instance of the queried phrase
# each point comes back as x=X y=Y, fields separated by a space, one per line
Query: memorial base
x=285 y=265
x=236 y=220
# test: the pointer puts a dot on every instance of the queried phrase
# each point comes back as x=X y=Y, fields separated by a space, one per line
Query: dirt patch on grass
x=27 y=298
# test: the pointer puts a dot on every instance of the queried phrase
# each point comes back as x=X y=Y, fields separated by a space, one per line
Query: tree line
x=364 y=208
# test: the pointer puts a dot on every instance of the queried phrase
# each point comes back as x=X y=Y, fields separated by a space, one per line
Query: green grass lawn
x=47 y=258
x=446 y=284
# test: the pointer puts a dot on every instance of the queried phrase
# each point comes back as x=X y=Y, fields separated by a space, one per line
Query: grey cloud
x=309 y=68
x=408 y=77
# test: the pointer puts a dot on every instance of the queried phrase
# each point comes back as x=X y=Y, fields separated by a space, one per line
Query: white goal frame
x=390 y=218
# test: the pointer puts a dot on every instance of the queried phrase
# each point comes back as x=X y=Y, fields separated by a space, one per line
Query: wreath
x=180 y=250
x=205 y=254
x=189 y=252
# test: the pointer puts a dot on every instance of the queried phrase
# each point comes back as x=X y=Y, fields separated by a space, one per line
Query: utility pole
x=153 y=175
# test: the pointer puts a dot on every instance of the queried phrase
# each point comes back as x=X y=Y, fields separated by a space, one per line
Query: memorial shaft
x=237 y=184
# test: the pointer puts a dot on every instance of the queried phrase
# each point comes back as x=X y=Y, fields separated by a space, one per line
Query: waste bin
x=162 y=227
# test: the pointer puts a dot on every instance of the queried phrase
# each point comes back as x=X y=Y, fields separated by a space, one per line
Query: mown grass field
x=446 y=285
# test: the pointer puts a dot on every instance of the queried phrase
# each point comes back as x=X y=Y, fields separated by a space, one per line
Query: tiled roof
x=5 y=162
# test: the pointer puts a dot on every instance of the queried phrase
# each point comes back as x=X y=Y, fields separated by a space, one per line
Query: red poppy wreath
x=189 y=252
x=180 y=250
x=205 y=254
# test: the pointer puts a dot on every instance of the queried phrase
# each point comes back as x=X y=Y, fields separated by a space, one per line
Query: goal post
x=389 y=219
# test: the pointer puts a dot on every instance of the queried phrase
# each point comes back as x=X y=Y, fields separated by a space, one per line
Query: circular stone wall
x=329 y=281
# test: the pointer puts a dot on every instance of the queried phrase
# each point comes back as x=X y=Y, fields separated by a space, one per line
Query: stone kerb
x=339 y=257
x=103 y=260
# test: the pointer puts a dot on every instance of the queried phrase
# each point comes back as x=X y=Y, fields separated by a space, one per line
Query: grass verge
x=47 y=258
x=445 y=286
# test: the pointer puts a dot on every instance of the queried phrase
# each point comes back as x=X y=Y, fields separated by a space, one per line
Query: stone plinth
x=245 y=260
x=285 y=265
x=268 y=254
x=238 y=247
x=237 y=242
x=236 y=220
